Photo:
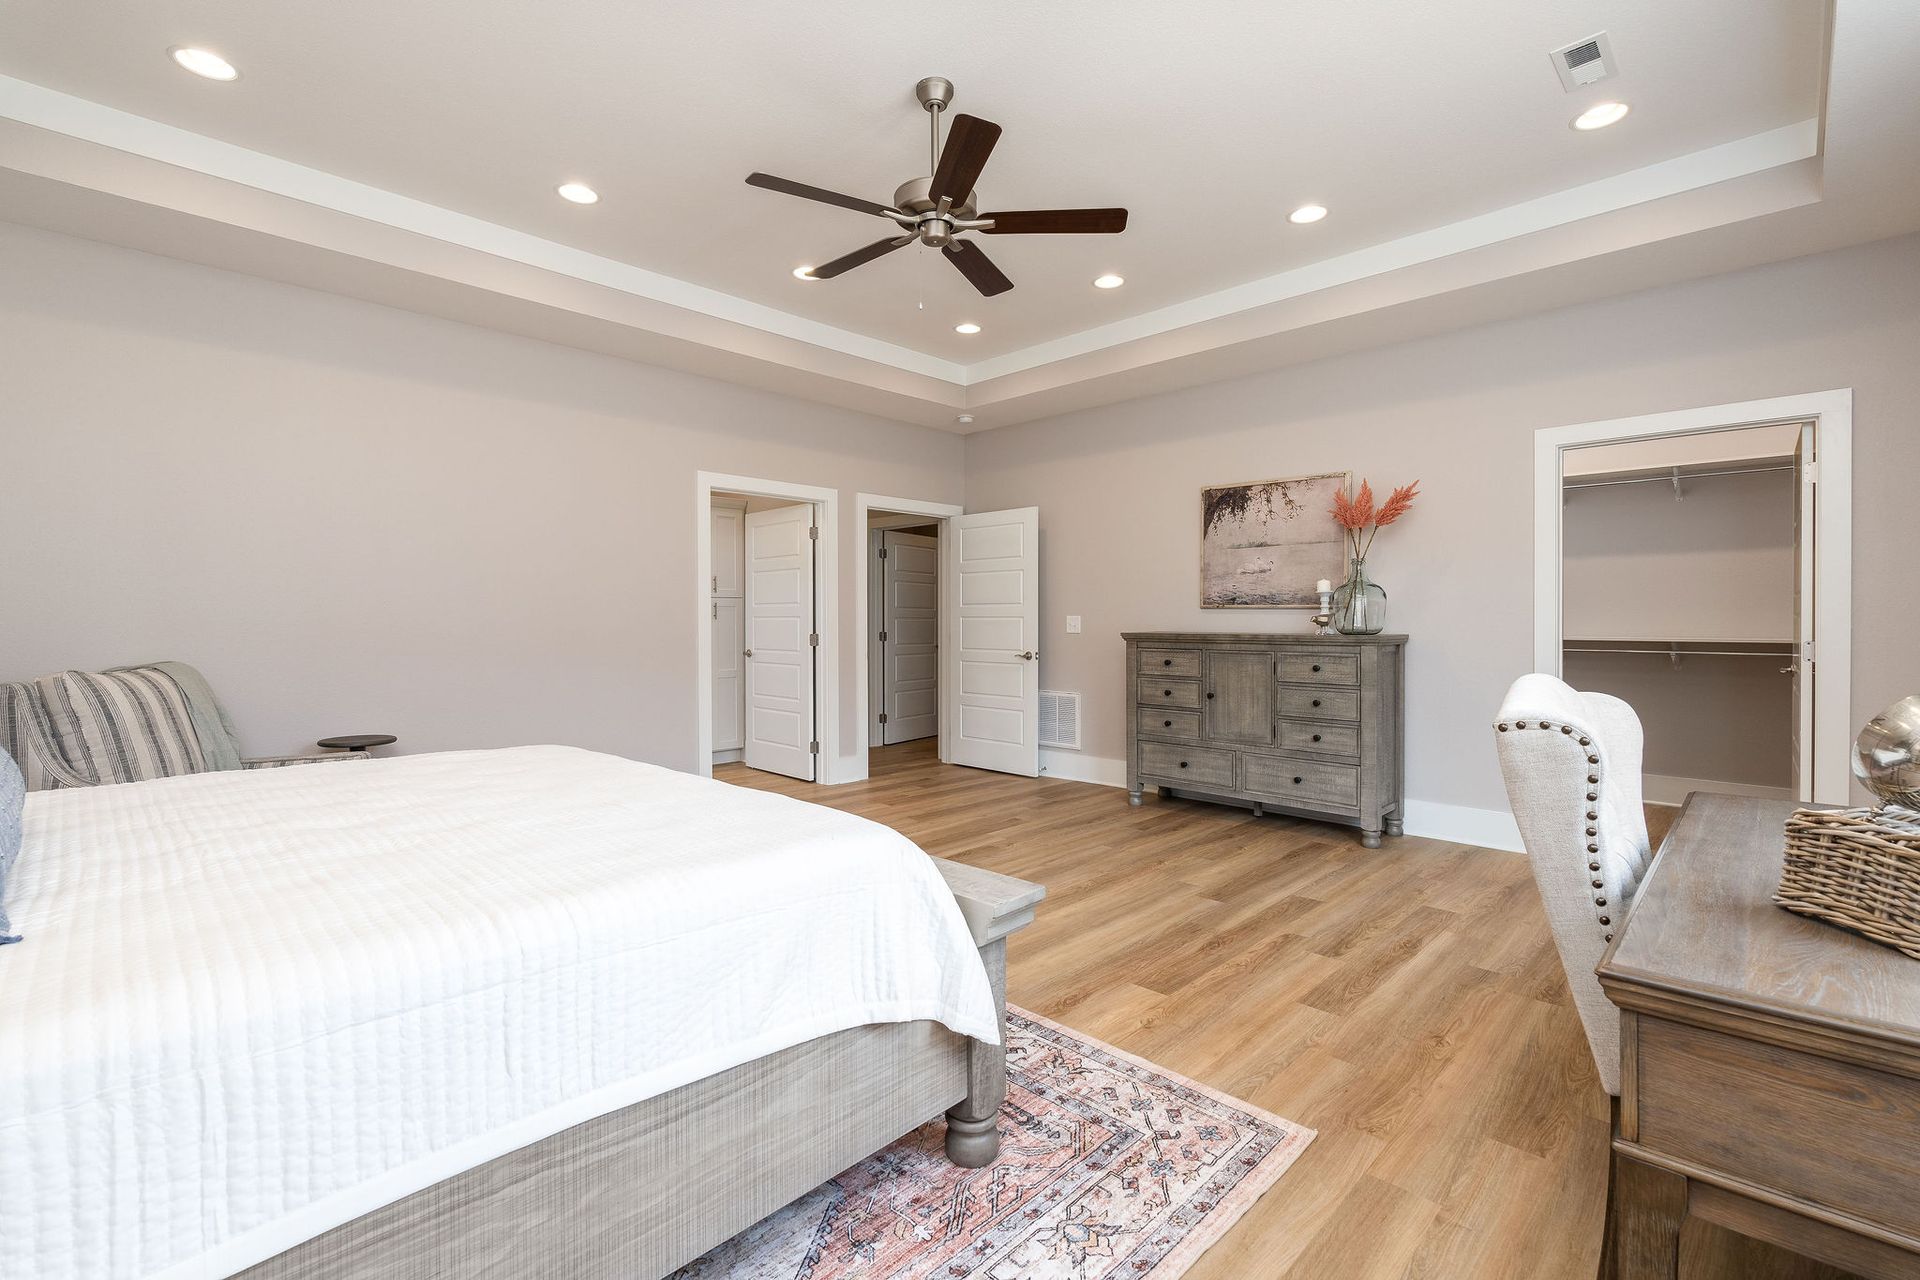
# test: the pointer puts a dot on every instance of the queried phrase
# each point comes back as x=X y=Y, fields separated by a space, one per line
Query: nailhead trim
x=1593 y=815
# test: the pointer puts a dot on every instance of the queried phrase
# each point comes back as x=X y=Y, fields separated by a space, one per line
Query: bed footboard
x=994 y=906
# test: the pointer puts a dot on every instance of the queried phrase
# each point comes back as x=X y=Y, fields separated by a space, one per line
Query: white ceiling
x=1437 y=134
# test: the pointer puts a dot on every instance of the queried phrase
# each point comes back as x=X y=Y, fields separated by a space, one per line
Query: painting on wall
x=1266 y=545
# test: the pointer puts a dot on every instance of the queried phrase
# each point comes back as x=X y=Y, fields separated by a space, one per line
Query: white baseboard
x=1075 y=767
x=729 y=757
x=1488 y=828
x=1663 y=789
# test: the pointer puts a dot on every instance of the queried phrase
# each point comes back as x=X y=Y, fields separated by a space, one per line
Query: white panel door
x=728 y=671
x=1805 y=668
x=991 y=660
x=780 y=641
x=910 y=635
x=728 y=535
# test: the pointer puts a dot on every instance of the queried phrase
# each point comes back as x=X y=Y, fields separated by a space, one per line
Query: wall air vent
x=1060 y=720
x=1584 y=62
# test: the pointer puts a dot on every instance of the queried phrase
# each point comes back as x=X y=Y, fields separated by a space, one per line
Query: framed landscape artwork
x=1265 y=545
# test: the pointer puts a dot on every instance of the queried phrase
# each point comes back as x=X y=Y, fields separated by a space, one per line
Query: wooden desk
x=1770 y=1064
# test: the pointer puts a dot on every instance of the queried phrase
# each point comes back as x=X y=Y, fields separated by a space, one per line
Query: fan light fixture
x=1108 y=281
x=968 y=327
x=1600 y=116
x=1307 y=213
x=804 y=273
x=204 y=62
x=578 y=193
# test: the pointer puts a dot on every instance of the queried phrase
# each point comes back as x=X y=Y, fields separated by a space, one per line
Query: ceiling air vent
x=1060 y=720
x=1584 y=62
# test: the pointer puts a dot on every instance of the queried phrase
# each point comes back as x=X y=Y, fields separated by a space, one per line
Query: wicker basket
x=1856 y=868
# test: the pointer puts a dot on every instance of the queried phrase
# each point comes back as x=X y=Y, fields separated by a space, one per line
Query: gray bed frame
x=645 y=1190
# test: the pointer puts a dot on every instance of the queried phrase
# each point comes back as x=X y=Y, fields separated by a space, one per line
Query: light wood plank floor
x=1406 y=1002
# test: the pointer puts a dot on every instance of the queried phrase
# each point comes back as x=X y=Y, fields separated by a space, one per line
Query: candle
x=1323 y=586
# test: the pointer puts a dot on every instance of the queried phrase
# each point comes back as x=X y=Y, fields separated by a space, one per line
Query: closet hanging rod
x=1668 y=477
x=1779 y=651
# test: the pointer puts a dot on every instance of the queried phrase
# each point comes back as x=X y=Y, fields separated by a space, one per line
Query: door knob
x=1029 y=655
x=746 y=653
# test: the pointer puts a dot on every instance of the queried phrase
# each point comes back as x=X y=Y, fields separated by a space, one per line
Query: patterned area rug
x=1109 y=1167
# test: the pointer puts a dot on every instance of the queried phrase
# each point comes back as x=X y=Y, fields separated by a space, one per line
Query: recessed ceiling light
x=578 y=192
x=1108 y=281
x=968 y=327
x=804 y=273
x=965 y=419
x=1307 y=213
x=1600 y=116
x=204 y=62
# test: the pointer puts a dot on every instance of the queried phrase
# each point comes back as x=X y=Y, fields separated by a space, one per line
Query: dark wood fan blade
x=859 y=257
x=1057 y=222
x=806 y=192
x=969 y=142
x=978 y=268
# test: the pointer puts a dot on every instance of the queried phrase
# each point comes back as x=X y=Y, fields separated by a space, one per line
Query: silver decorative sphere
x=1886 y=755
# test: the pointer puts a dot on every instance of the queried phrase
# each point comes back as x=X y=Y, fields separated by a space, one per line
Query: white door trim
x=854 y=768
x=1831 y=412
x=826 y=612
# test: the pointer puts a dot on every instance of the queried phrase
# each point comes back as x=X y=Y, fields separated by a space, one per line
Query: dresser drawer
x=1319 y=704
x=1319 y=668
x=1186 y=766
x=1303 y=782
x=1328 y=739
x=1168 y=662
x=1170 y=693
x=1158 y=723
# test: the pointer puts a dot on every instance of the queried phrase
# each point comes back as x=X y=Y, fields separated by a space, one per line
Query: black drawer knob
x=1316 y=702
x=1166 y=662
x=1316 y=737
x=1168 y=692
x=1209 y=697
x=1167 y=724
x=1316 y=666
x=1183 y=764
x=1298 y=781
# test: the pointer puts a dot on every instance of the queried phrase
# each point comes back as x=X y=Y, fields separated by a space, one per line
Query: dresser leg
x=1370 y=837
x=1395 y=827
x=1649 y=1207
x=1133 y=796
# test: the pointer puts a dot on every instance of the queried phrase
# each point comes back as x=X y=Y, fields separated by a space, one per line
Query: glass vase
x=1359 y=604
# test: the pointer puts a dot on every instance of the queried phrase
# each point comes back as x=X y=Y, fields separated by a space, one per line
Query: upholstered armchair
x=1572 y=766
x=129 y=724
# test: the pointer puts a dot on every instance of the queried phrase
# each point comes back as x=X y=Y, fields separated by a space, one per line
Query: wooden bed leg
x=994 y=906
x=973 y=1127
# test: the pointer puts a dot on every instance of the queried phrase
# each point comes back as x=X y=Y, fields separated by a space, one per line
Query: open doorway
x=1696 y=566
x=903 y=643
x=766 y=577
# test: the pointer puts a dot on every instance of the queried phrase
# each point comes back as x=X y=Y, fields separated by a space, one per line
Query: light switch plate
x=1073 y=624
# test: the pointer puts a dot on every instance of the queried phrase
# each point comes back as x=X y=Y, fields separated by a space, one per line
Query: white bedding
x=251 y=1006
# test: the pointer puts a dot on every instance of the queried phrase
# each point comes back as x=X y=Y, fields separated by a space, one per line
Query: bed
x=432 y=1017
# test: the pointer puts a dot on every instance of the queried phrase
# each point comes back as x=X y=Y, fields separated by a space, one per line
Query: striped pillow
x=121 y=726
x=13 y=801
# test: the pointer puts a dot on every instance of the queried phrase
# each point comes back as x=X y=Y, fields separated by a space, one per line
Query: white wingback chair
x=1572 y=765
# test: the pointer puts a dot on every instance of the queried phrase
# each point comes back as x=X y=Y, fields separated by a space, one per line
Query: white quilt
x=251 y=1006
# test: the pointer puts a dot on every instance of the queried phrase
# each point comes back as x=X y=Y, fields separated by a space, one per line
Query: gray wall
x=357 y=519
x=1118 y=488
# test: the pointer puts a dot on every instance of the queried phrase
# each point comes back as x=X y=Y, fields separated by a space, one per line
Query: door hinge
x=883 y=553
x=814 y=639
x=813 y=748
x=813 y=532
x=883 y=637
x=883 y=717
x=716 y=613
x=1811 y=472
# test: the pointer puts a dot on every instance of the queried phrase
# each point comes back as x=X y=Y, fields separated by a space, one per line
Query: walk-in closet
x=1681 y=593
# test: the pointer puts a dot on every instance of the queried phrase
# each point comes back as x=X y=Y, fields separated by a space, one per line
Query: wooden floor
x=1406 y=1002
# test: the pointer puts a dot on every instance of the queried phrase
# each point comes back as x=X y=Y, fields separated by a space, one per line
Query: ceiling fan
x=936 y=210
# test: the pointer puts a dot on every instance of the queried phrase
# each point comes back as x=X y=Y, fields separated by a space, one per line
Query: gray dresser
x=1302 y=724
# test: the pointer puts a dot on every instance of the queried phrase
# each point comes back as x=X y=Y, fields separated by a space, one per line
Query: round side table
x=358 y=741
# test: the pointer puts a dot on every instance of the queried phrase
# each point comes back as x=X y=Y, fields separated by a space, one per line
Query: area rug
x=1109 y=1166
